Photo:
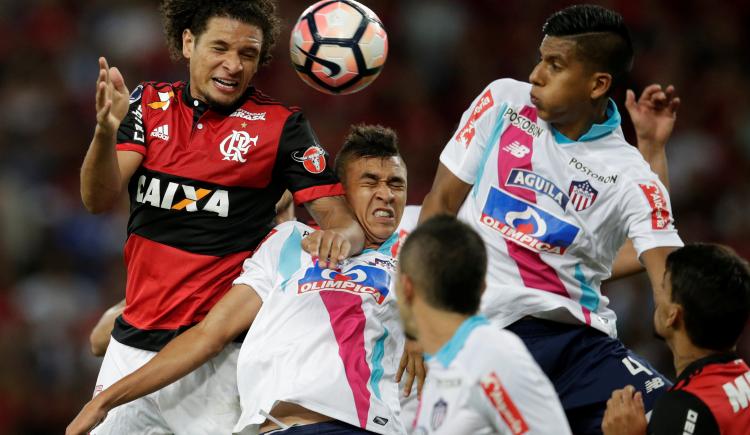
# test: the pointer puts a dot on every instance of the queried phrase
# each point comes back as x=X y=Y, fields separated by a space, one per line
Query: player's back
x=327 y=340
x=485 y=381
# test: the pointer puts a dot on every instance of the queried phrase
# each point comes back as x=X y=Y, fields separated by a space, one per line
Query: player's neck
x=581 y=123
x=436 y=327
x=685 y=353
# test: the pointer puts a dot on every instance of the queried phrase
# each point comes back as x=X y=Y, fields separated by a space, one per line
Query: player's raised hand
x=86 y=420
x=625 y=414
x=653 y=115
x=412 y=362
x=331 y=247
x=112 y=98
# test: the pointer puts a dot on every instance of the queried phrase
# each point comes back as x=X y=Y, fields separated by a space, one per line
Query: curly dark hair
x=179 y=15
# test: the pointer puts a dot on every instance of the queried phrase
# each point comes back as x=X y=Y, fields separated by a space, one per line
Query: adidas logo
x=161 y=132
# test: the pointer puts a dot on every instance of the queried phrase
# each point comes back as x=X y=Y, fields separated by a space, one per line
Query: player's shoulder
x=154 y=87
x=494 y=350
x=510 y=91
x=259 y=101
x=294 y=226
x=283 y=232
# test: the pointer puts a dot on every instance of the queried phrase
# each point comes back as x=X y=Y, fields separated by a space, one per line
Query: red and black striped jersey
x=711 y=396
x=204 y=197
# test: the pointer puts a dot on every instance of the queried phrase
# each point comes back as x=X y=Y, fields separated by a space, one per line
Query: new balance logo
x=161 y=132
x=517 y=149
x=738 y=392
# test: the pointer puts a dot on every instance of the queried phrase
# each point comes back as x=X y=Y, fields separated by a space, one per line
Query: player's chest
x=367 y=282
x=235 y=150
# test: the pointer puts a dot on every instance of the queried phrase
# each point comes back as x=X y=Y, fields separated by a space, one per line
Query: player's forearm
x=101 y=183
x=178 y=358
x=333 y=213
x=656 y=156
x=435 y=204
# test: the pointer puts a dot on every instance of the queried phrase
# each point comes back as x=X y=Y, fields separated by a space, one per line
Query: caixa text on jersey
x=177 y=196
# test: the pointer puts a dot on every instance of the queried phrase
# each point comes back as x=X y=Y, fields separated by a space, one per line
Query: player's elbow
x=97 y=344
x=95 y=204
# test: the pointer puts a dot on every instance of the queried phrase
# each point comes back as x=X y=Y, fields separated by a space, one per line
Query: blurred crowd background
x=60 y=267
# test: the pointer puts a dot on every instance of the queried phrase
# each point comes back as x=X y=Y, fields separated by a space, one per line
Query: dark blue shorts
x=585 y=366
x=327 y=427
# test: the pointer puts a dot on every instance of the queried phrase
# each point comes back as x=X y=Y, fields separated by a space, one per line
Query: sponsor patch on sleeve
x=503 y=404
x=660 y=216
x=466 y=133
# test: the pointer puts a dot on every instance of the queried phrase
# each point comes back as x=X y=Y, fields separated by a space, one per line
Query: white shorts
x=204 y=402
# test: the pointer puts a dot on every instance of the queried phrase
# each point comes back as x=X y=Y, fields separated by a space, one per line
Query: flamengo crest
x=235 y=146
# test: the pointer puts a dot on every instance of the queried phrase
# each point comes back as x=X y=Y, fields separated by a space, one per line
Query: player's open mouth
x=225 y=85
x=383 y=213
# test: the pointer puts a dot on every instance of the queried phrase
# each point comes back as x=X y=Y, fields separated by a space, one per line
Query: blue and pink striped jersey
x=553 y=212
x=328 y=340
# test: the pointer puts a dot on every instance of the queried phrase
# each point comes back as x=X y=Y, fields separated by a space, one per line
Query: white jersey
x=327 y=340
x=552 y=212
x=409 y=219
x=485 y=381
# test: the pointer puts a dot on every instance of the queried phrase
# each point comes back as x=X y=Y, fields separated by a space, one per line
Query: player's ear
x=407 y=286
x=600 y=84
x=674 y=318
x=188 y=43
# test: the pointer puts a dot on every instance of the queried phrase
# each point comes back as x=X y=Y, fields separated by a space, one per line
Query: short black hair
x=712 y=283
x=179 y=15
x=447 y=261
x=366 y=141
x=601 y=37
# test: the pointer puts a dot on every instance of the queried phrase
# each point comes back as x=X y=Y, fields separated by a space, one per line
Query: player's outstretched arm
x=105 y=171
x=446 y=196
x=653 y=116
x=233 y=314
x=102 y=332
x=343 y=236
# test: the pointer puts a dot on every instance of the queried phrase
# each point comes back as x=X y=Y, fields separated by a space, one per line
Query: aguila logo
x=313 y=159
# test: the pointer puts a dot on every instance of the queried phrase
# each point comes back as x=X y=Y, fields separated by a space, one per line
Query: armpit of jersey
x=678 y=412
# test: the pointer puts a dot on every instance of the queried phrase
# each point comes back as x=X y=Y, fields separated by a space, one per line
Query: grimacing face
x=561 y=82
x=223 y=60
x=376 y=191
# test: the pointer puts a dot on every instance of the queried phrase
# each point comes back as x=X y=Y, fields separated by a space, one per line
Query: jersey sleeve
x=303 y=164
x=679 y=412
x=131 y=136
x=463 y=153
x=261 y=270
x=648 y=215
x=496 y=405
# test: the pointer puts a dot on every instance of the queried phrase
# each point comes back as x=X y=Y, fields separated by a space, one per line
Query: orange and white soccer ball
x=338 y=46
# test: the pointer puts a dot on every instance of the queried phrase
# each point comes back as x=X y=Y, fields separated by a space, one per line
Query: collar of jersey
x=597 y=130
x=448 y=352
x=697 y=365
x=385 y=248
x=202 y=107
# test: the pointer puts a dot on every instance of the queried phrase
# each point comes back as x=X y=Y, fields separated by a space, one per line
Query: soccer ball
x=338 y=46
